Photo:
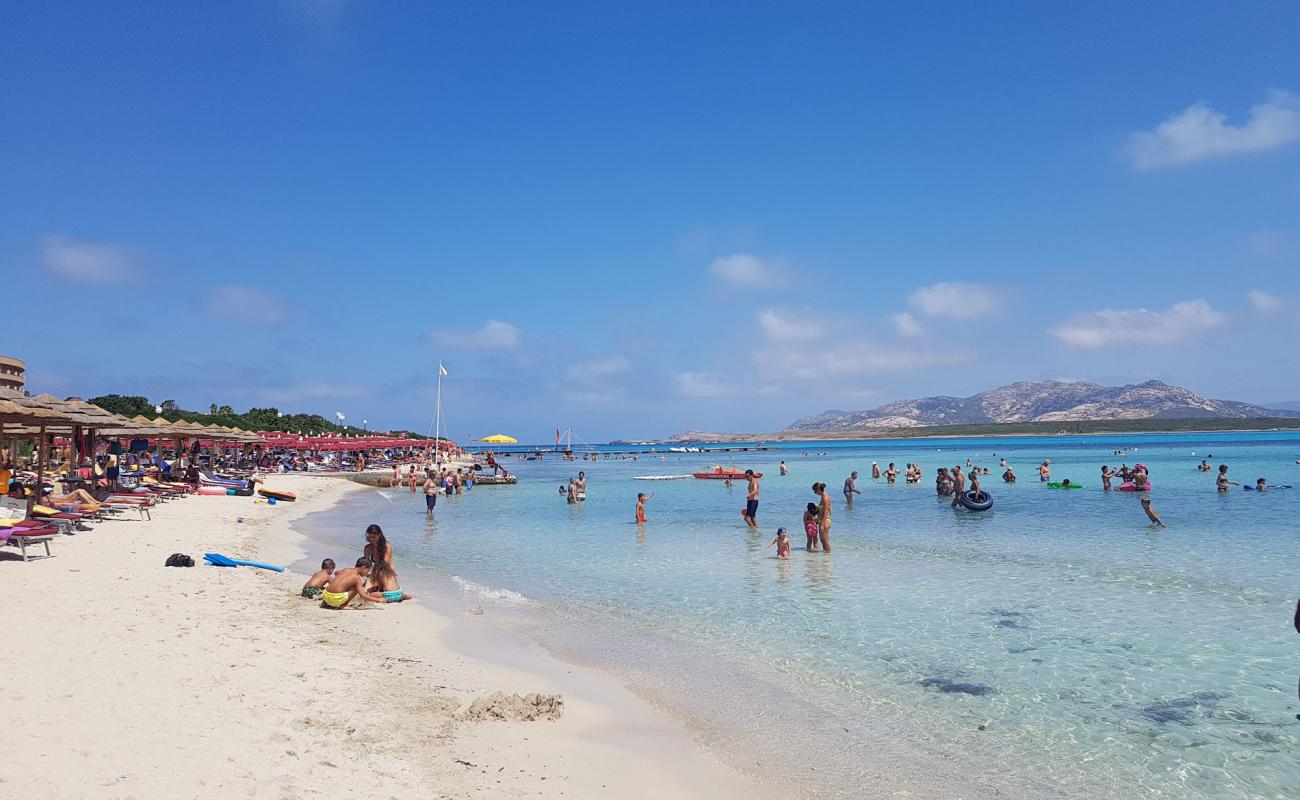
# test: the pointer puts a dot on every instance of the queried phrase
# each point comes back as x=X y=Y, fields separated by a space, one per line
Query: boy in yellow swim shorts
x=347 y=584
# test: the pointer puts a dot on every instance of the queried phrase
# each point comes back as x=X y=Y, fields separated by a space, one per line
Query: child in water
x=315 y=585
x=1156 y=522
x=782 y=542
x=641 y=500
x=810 y=525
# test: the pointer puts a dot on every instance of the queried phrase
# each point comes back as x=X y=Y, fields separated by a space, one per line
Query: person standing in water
x=641 y=499
x=958 y=484
x=851 y=488
x=430 y=494
x=1222 y=481
x=1106 y=475
x=1156 y=522
x=823 y=516
x=751 y=500
x=784 y=469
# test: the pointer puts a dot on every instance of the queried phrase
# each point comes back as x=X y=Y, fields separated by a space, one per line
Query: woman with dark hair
x=823 y=516
x=377 y=547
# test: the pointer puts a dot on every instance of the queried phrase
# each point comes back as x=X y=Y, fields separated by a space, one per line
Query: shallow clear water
x=1101 y=658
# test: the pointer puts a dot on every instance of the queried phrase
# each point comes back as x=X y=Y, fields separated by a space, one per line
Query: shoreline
x=258 y=691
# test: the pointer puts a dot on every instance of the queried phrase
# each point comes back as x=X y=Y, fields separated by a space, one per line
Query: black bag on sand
x=179 y=560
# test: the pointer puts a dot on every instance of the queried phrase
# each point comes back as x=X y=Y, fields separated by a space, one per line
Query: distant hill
x=1284 y=405
x=1040 y=401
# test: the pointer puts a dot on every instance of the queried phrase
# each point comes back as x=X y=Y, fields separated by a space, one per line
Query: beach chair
x=24 y=537
x=16 y=529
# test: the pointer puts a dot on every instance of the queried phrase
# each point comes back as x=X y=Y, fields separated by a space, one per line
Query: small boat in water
x=724 y=473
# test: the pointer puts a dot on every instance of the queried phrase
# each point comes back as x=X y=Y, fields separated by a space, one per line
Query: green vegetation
x=254 y=419
x=1052 y=428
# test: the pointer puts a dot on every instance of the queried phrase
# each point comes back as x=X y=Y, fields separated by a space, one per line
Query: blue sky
x=634 y=221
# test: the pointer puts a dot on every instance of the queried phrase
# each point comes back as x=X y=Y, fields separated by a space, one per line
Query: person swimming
x=1008 y=476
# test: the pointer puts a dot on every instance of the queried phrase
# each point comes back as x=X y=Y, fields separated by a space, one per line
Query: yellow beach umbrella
x=500 y=438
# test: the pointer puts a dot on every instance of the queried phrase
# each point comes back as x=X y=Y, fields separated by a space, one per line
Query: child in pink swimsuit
x=810 y=525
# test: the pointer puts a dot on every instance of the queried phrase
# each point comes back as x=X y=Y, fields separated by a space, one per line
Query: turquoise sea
x=1054 y=646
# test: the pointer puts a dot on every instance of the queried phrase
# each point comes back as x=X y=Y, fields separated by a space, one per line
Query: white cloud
x=699 y=384
x=597 y=369
x=1199 y=132
x=849 y=359
x=494 y=335
x=1266 y=303
x=1139 y=326
x=907 y=325
x=957 y=300
x=246 y=304
x=785 y=327
x=86 y=262
x=747 y=271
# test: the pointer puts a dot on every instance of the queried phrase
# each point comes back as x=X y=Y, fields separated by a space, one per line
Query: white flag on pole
x=442 y=371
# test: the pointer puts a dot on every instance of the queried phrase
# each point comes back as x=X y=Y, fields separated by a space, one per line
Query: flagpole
x=437 y=419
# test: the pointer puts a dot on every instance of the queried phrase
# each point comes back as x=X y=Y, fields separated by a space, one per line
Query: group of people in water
x=371 y=579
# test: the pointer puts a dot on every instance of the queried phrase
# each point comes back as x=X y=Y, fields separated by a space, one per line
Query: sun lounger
x=28 y=535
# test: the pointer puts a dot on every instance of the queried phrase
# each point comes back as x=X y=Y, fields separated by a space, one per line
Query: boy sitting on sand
x=347 y=584
x=1156 y=522
x=315 y=585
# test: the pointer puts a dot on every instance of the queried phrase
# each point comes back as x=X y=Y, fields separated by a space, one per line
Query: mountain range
x=1040 y=401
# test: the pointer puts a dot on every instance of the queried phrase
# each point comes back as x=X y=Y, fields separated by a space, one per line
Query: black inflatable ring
x=981 y=501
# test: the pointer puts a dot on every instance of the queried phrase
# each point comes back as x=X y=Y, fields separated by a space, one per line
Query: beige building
x=13 y=374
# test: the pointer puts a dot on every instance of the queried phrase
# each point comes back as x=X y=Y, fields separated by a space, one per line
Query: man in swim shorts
x=430 y=494
x=851 y=488
x=347 y=584
x=315 y=585
x=751 y=500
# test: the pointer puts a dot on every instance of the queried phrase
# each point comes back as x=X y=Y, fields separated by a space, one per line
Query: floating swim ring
x=1130 y=486
x=1056 y=485
x=976 y=501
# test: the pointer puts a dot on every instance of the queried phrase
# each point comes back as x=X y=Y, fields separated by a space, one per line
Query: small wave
x=490 y=593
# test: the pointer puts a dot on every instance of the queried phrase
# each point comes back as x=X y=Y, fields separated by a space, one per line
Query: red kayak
x=725 y=473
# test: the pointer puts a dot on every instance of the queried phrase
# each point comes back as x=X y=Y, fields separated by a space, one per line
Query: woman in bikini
x=383 y=580
x=823 y=516
x=377 y=547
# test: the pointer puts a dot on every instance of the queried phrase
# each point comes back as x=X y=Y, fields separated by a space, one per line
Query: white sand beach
x=128 y=679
